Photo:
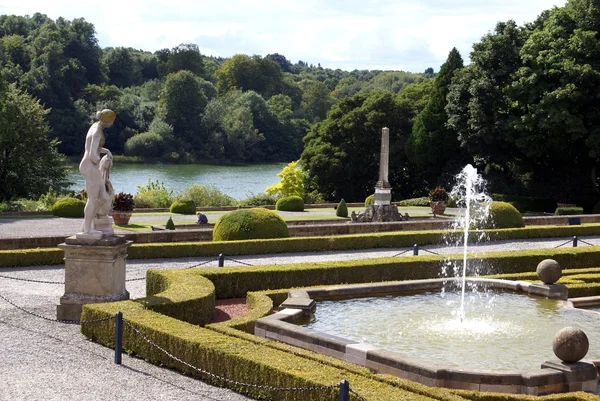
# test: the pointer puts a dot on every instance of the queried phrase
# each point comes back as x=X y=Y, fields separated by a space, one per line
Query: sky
x=408 y=35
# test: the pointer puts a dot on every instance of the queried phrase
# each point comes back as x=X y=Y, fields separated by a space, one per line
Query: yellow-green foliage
x=68 y=207
x=252 y=223
x=183 y=206
x=290 y=204
x=504 y=215
x=291 y=184
x=370 y=200
x=342 y=209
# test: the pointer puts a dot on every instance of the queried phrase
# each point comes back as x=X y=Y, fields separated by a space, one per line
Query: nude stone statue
x=95 y=171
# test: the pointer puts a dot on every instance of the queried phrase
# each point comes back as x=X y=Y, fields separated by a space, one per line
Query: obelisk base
x=94 y=272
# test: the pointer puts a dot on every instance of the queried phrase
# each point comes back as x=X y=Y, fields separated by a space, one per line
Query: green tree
x=186 y=56
x=246 y=73
x=432 y=145
x=29 y=160
x=182 y=104
x=342 y=152
x=124 y=69
x=291 y=184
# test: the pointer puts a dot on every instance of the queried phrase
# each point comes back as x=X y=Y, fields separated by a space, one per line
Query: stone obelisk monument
x=95 y=257
x=382 y=209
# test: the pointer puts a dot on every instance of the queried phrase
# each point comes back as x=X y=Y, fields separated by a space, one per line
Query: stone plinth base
x=94 y=272
x=378 y=213
x=383 y=196
x=552 y=291
x=579 y=376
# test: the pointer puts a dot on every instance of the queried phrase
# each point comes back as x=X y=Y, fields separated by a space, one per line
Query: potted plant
x=437 y=200
x=122 y=208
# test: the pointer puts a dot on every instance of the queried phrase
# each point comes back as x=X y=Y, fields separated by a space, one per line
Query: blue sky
x=407 y=35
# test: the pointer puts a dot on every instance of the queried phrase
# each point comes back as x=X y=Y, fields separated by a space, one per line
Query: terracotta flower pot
x=438 y=207
x=121 y=218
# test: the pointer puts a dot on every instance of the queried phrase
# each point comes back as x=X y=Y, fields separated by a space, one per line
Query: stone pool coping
x=553 y=377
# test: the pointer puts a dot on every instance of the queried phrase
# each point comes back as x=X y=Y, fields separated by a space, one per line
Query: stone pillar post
x=94 y=272
x=383 y=190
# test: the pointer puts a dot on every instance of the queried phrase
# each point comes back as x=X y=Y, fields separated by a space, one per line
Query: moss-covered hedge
x=68 y=207
x=290 y=204
x=568 y=211
x=183 y=206
x=244 y=224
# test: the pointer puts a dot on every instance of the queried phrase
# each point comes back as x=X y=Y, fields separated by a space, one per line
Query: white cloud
x=384 y=34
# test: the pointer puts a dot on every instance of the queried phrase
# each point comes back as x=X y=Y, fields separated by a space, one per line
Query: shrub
x=290 y=204
x=292 y=181
x=504 y=215
x=153 y=195
x=342 y=209
x=370 y=200
x=68 y=207
x=258 y=200
x=170 y=224
x=438 y=194
x=249 y=224
x=528 y=203
x=145 y=145
x=183 y=206
x=423 y=201
x=565 y=211
x=207 y=196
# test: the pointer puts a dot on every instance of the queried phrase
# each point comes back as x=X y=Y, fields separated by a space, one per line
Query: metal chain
x=203 y=263
x=31 y=280
x=401 y=253
x=585 y=242
x=136 y=279
x=568 y=242
x=55 y=320
x=431 y=252
x=360 y=397
x=230 y=381
x=237 y=261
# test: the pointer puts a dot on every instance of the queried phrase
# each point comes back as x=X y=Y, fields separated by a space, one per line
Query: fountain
x=401 y=355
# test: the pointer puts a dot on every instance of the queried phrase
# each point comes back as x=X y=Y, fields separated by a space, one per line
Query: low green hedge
x=246 y=224
x=49 y=256
x=183 y=206
x=568 y=211
x=290 y=204
x=68 y=207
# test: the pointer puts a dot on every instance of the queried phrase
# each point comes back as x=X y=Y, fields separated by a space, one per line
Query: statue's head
x=106 y=117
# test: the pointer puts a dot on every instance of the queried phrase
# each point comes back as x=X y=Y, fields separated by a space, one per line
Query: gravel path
x=44 y=360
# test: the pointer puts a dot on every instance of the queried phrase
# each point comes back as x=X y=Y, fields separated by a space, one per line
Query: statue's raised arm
x=95 y=181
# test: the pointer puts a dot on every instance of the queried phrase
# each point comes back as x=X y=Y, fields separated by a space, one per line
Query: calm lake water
x=237 y=181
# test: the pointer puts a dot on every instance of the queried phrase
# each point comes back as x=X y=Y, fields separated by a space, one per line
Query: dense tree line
x=525 y=112
x=175 y=104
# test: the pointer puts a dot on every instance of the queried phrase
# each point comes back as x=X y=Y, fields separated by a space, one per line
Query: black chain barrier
x=55 y=320
x=401 y=253
x=225 y=379
x=561 y=245
x=431 y=252
x=238 y=261
x=136 y=279
x=585 y=242
x=31 y=280
x=361 y=398
x=203 y=263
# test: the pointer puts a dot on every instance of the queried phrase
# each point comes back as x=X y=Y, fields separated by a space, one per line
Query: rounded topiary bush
x=504 y=215
x=68 y=207
x=370 y=200
x=183 y=206
x=252 y=223
x=290 y=204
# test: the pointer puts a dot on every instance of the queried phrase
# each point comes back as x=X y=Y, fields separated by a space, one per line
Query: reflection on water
x=237 y=181
x=502 y=331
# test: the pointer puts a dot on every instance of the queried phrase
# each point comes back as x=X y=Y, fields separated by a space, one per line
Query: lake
x=236 y=181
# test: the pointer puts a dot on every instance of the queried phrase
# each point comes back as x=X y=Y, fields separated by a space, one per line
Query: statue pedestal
x=94 y=272
x=383 y=196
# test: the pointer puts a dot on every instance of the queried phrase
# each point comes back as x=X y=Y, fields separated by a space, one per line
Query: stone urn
x=121 y=218
x=438 y=207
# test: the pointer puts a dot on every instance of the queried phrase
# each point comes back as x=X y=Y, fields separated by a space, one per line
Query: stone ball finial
x=549 y=271
x=570 y=344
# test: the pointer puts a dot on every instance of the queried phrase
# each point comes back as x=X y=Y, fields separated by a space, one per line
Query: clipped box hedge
x=401 y=239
